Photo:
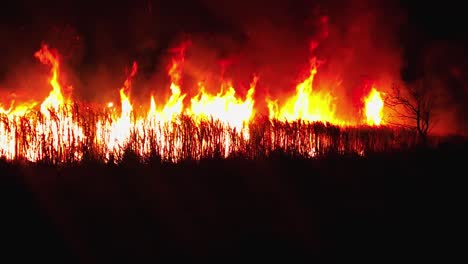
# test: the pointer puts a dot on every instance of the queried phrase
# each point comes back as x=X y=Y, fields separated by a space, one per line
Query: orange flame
x=174 y=105
x=19 y=110
x=115 y=133
x=224 y=106
x=55 y=99
x=306 y=104
x=374 y=107
x=58 y=127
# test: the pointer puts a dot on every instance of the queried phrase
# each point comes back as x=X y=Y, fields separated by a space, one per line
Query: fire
x=115 y=132
x=55 y=125
x=374 y=107
x=19 y=110
x=230 y=110
x=306 y=104
x=55 y=100
x=224 y=106
x=174 y=105
x=56 y=129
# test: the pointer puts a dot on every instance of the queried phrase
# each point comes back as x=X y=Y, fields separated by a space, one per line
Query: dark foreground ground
x=392 y=207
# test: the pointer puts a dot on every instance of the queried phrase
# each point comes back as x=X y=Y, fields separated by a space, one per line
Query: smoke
x=358 y=45
x=231 y=39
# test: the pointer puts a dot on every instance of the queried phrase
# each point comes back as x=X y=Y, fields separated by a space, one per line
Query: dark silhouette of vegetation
x=380 y=207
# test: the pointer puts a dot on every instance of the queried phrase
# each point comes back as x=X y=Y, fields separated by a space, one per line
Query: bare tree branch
x=414 y=105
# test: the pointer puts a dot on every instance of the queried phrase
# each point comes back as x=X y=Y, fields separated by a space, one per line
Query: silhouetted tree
x=413 y=106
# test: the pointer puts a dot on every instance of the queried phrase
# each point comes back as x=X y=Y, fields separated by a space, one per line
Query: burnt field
x=386 y=206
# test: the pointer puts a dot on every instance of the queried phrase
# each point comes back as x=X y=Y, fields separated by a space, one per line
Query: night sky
x=102 y=38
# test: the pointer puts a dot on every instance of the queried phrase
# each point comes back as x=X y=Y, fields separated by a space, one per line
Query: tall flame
x=374 y=107
x=115 y=132
x=306 y=104
x=55 y=99
x=174 y=105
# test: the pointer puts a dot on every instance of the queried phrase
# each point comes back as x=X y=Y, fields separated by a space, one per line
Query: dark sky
x=99 y=39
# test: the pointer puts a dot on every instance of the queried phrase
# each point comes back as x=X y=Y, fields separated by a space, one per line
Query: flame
x=55 y=126
x=55 y=100
x=58 y=130
x=115 y=132
x=224 y=106
x=174 y=105
x=306 y=104
x=374 y=107
x=19 y=110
